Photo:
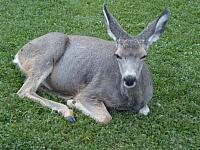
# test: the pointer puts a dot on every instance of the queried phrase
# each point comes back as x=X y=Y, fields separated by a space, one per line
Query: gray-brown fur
x=87 y=69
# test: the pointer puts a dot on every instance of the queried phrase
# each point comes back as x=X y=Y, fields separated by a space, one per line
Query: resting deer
x=97 y=73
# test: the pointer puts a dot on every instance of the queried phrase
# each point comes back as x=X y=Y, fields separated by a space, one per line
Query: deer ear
x=115 y=31
x=154 y=29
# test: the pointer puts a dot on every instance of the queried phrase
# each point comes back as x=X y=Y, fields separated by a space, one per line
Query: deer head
x=131 y=51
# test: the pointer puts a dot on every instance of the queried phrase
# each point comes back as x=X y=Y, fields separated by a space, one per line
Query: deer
x=93 y=75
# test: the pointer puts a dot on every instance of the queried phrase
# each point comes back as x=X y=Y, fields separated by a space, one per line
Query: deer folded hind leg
x=30 y=87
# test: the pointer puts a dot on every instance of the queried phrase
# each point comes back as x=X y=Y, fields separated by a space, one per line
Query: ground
x=174 y=121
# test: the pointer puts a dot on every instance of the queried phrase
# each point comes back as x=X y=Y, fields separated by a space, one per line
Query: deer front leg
x=91 y=107
x=140 y=103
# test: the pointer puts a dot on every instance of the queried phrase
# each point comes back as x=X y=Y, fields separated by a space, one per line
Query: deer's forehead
x=131 y=44
x=131 y=47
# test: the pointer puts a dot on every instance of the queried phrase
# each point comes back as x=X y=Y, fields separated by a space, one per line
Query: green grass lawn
x=174 y=121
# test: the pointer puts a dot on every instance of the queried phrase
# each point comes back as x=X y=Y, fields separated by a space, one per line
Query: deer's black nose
x=129 y=80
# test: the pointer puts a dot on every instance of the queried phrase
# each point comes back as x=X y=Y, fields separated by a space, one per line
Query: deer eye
x=117 y=56
x=143 y=57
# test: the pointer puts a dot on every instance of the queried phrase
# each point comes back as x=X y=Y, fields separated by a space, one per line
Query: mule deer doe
x=98 y=74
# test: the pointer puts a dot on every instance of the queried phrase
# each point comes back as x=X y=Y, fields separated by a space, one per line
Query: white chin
x=129 y=87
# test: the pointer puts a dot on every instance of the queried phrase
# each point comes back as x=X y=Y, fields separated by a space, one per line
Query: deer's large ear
x=154 y=29
x=115 y=31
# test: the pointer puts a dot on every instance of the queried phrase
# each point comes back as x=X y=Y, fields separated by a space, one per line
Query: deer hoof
x=71 y=119
x=145 y=110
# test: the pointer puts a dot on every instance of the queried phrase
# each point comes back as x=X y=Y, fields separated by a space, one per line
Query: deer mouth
x=128 y=85
x=129 y=81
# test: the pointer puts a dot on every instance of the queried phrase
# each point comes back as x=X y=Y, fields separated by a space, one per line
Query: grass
x=174 y=122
